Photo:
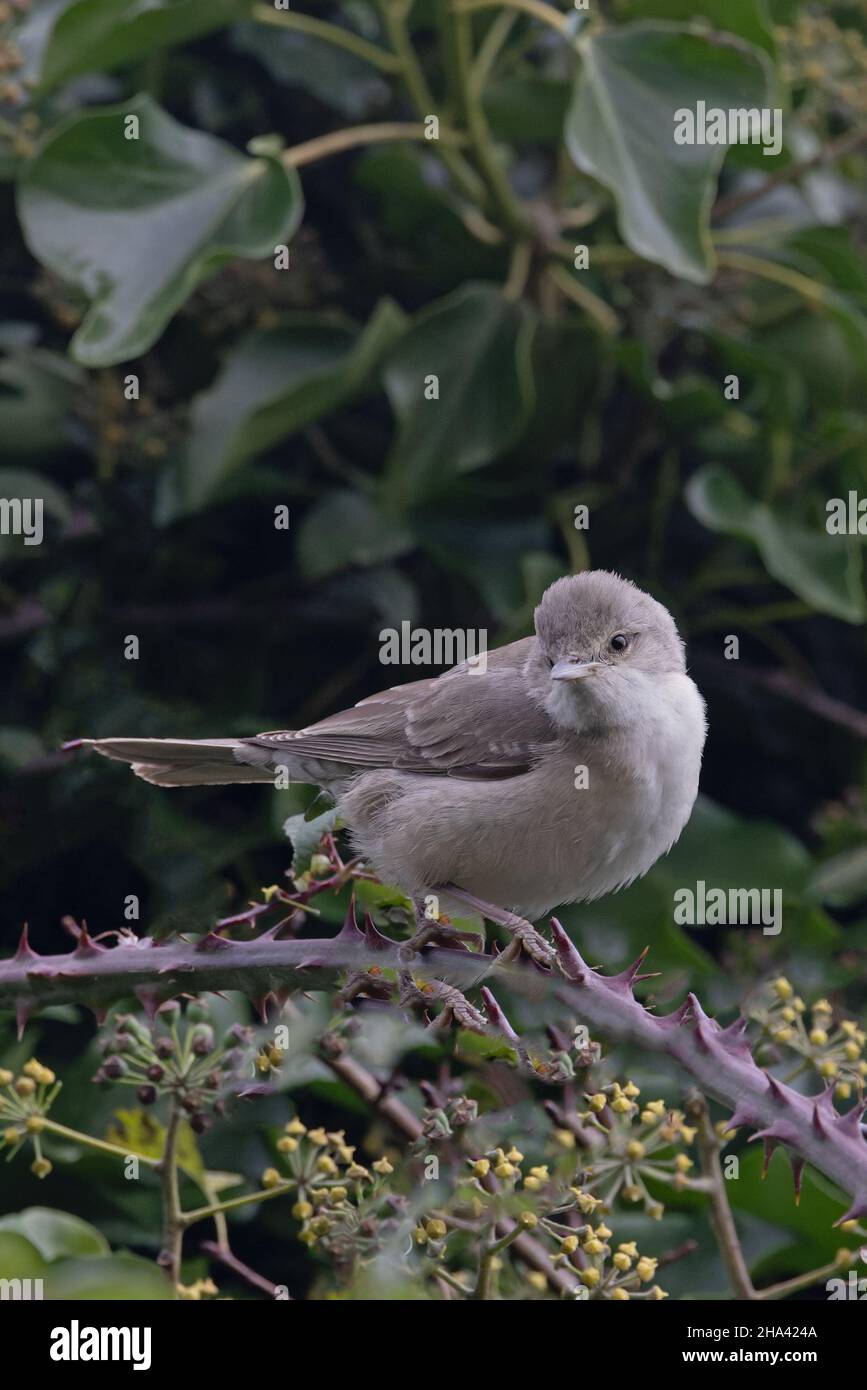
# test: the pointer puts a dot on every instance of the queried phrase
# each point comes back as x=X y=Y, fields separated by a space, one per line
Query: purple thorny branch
x=271 y=967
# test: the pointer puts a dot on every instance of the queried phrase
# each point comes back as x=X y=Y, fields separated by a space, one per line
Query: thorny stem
x=718 y=1061
x=721 y=1218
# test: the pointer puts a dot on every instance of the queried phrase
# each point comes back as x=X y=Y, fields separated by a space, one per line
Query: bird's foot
x=524 y=935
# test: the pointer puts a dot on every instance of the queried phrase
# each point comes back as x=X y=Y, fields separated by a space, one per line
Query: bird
x=556 y=771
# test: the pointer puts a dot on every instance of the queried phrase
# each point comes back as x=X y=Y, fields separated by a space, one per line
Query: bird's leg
x=523 y=932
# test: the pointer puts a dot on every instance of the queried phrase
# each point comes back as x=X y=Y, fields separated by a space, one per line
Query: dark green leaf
x=621 y=124
x=346 y=528
x=91 y=34
x=477 y=345
x=272 y=384
x=823 y=570
x=56 y=1233
x=137 y=224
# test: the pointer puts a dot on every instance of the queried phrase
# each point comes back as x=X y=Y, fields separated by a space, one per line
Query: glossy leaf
x=620 y=129
x=55 y=1233
x=272 y=384
x=137 y=223
x=476 y=344
x=62 y=38
x=344 y=529
x=821 y=569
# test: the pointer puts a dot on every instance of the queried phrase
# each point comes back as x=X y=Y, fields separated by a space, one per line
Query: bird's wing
x=471 y=724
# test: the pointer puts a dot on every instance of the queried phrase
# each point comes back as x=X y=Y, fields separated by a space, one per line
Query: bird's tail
x=178 y=762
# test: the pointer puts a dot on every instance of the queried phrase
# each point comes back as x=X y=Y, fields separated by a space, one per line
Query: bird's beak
x=574 y=670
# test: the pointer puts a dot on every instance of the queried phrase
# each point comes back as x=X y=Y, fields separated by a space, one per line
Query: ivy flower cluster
x=826 y=58
x=25 y=1100
x=503 y=1196
x=638 y=1141
x=177 y=1055
x=345 y=1208
x=833 y=1051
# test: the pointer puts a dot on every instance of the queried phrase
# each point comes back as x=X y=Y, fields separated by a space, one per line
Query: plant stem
x=329 y=33
x=519 y=269
x=224 y=1256
x=173 y=1225
x=188 y=1218
x=102 y=1145
x=338 y=140
x=800 y=1282
x=721 y=1218
x=489 y=48
x=485 y=1276
x=602 y=315
x=537 y=8
x=811 y=290
x=459 y=43
x=835 y=149
x=393 y=15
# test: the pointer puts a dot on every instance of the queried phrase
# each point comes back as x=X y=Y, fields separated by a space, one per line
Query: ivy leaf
x=36 y=391
x=139 y=1132
x=841 y=880
x=304 y=836
x=823 y=570
x=272 y=384
x=55 y=1233
x=345 y=528
x=477 y=344
x=136 y=224
x=60 y=39
x=621 y=123
x=746 y=18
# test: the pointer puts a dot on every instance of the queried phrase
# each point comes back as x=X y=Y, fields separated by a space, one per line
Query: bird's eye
x=619 y=642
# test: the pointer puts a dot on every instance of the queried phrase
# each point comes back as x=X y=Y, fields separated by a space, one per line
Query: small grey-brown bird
x=559 y=773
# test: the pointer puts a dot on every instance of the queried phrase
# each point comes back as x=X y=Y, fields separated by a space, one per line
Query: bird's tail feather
x=172 y=762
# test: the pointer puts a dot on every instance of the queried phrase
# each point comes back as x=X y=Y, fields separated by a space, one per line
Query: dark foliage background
x=161 y=511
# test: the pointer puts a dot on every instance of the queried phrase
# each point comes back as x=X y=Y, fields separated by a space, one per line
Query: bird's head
x=601 y=645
